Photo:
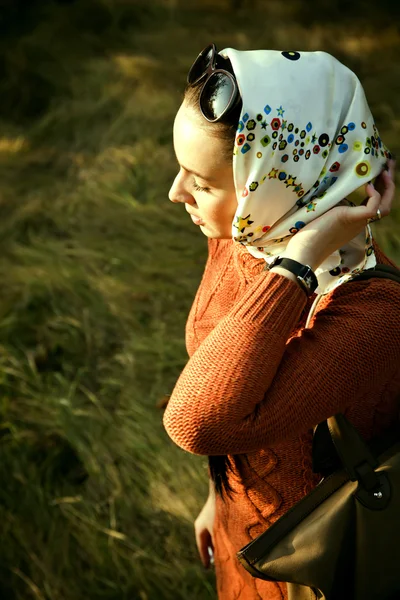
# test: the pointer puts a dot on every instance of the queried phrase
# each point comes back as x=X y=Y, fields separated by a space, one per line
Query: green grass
x=98 y=273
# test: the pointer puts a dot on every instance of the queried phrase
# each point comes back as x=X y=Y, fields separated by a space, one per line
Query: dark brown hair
x=225 y=130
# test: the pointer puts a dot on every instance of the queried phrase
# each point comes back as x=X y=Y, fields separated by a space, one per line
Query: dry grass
x=99 y=271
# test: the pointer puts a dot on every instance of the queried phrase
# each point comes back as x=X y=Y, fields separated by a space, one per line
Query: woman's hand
x=203 y=527
x=332 y=230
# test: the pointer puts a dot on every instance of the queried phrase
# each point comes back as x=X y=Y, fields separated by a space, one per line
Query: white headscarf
x=305 y=139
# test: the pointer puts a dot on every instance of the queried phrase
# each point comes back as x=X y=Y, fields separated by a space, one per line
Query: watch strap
x=304 y=273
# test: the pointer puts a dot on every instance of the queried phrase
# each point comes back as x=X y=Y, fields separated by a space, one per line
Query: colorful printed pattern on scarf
x=300 y=151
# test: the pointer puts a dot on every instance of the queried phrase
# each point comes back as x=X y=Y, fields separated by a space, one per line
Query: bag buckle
x=374 y=490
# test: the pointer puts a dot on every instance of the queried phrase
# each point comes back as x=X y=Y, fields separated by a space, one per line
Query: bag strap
x=373 y=490
x=381 y=271
x=336 y=442
x=355 y=455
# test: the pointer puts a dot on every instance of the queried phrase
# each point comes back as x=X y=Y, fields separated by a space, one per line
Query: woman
x=302 y=138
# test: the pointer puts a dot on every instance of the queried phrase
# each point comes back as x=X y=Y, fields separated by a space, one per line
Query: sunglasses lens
x=200 y=65
x=216 y=96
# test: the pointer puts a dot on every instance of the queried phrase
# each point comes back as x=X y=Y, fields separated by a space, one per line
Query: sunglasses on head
x=220 y=92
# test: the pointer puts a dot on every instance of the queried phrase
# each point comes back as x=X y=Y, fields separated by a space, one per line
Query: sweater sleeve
x=247 y=387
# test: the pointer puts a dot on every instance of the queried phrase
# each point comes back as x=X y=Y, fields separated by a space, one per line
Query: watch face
x=303 y=273
x=309 y=281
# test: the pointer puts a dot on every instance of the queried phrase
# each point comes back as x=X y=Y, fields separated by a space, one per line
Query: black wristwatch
x=304 y=273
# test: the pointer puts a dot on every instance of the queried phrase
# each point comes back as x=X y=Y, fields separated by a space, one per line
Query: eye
x=199 y=188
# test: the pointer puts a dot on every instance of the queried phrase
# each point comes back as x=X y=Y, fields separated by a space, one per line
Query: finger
x=372 y=203
x=392 y=167
x=387 y=195
x=379 y=183
x=373 y=196
x=385 y=186
x=388 y=167
x=367 y=209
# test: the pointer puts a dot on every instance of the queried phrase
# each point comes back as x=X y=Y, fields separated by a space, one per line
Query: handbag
x=342 y=540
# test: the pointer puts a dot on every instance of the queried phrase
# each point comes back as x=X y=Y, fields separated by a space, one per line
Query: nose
x=179 y=192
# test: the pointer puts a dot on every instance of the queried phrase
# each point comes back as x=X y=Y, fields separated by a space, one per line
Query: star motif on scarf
x=280 y=111
x=290 y=181
x=284 y=124
x=242 y=223
x=273 y=173
x=264 y=125
x=311 y=206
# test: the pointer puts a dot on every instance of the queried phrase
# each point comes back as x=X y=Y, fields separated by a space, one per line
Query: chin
x=216 y=235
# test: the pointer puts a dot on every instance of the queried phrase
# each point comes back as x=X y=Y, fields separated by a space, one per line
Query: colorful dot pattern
x=293 y=159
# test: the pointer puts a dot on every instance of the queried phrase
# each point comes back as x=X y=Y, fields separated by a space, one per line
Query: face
x=204 y=183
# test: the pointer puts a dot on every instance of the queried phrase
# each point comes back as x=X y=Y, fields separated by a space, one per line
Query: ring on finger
x=377 y=218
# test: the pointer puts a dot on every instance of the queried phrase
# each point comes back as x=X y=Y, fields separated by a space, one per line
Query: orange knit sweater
x=257 y=383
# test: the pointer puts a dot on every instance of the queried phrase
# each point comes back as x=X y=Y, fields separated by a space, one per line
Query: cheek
x=228 y=207
x=232 y=204
x=219 y=209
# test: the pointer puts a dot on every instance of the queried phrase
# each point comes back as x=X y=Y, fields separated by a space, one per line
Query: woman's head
x=204 y=152
x=304 y=139
x=204 y=182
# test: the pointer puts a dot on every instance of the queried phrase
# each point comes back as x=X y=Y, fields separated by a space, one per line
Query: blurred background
x=99 y=270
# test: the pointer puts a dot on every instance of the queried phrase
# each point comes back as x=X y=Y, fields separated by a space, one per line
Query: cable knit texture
x=257 y=382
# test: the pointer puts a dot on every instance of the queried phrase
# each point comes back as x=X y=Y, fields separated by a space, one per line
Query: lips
x=196 y=220
x=190 y=213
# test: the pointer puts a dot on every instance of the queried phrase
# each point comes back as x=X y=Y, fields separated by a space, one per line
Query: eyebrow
x=198 y=174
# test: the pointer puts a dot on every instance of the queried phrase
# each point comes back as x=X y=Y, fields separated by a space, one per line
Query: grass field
x=98 y=273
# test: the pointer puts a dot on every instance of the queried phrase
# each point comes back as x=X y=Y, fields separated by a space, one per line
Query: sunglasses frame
x=208 y=74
